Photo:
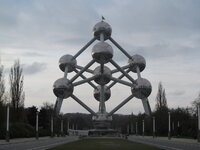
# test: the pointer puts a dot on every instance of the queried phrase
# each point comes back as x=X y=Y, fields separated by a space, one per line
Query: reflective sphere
x=102 y=52
x=142 y=88
x=67 y=61
x=102 y=27
x=102 y=78
x=62 y=88
x=107 y=93
x=137 y=60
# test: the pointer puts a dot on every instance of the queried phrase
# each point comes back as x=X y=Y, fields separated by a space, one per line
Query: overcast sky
x=165 y=32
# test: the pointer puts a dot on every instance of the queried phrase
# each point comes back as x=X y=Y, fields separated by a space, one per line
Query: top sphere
x=137 y=61
x=102 y=27
x=67 y=61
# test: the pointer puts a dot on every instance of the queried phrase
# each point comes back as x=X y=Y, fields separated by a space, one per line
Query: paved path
x=40 y=144
x=164 y=143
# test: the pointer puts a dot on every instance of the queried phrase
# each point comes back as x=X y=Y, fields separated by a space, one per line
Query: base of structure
x=7 y=136
x=198 y=138
x=101 y=132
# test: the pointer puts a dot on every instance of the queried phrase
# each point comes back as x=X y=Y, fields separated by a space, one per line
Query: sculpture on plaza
x=101 y=76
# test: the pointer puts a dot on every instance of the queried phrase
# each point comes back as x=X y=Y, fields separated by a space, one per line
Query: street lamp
x=169 y=131
x=7 y=123
x=37 y=134
x=52 y=126
x=154 y=129
x=198 y=122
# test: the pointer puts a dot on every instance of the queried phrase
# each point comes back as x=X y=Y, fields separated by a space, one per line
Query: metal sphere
x=67 y=61
x=137 y=61
x=142 y=88
x=102 y=78
x=107 y=93
x=102 y=27
x=102 y=52
x=62 y=88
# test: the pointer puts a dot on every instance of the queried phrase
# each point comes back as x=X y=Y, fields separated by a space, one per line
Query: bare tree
x=16 y=86
x=161 y=100
x=195 y=103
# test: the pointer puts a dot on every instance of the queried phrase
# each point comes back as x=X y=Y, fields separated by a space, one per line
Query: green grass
x=104 y=144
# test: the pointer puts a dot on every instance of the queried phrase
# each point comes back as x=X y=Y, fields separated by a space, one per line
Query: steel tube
x=84 y=48
x=87 y=70
x=121 y=81
x=120 y=105
x=122 y=71
x=120 y=77
x=116 y=70
x=82 y=104
x=82 y=70
x=83 y=81
x=89 y=82
x=119 y=47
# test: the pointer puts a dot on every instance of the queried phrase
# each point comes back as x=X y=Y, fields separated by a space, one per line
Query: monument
x=102 y=77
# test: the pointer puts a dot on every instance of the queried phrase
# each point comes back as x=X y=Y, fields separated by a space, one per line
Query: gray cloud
x=34 y=68
x=177 y=93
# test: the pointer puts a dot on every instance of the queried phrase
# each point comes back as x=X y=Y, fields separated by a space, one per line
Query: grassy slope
x=104 y=144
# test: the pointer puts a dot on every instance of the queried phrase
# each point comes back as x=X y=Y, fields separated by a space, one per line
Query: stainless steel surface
x=58 y=105
x=102 y=27
x=137 y=61
x=63 y=88
x=147 y=108
x=85 y=47
x=67 y=61
x=102 y=52
x=83 y=104
x=107 y=93
x=142 y=88
x=102 y=78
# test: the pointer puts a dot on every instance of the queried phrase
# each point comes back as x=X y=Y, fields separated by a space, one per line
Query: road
x=166 y=144
x=37 y=144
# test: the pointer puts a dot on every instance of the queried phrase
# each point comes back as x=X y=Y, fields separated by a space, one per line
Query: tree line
x=23 y=120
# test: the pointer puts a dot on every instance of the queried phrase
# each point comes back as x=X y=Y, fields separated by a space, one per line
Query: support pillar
x=169 y=128
x=36 y=128
x=61 y=127
x=52 y=126
x=7 y=124
x=198 y=123
x=143 y=128
x=154 y=129
x=136 y=128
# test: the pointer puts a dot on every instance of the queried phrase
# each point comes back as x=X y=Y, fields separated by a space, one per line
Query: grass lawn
x=104 y=144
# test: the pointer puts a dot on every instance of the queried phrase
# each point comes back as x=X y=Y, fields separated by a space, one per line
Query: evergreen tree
x=161 y=100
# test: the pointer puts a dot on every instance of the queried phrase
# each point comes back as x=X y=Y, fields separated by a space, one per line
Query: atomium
x=102 y=78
